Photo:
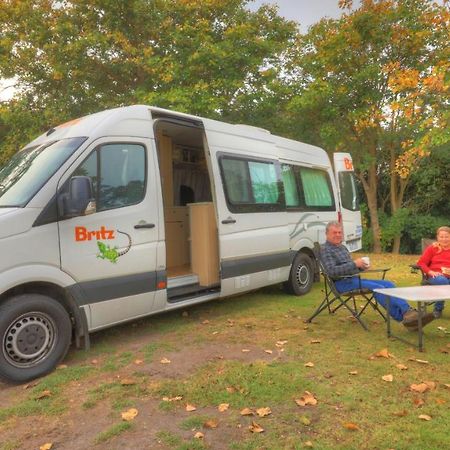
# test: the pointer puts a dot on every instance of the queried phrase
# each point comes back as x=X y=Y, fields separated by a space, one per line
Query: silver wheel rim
x=29 y=339
x=302 y=275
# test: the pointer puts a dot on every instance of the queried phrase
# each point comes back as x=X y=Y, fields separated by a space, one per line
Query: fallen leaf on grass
x=314 y=341
x=94 y=361
x=223 y=407
x=306 y=399
x=447 y=385
x=255 y=428
x=130 y=414
x=43 y=394
x=127 y=382
x=402 y=413
x=401 y=367
x=165 y=361
x=205 y=322
x=263 y=412
x=269 y=351
x=353 y=372
x=62 y=366
x=418 y=402
x=420 y=361
x=30 y=385
x=420 y=387
x=212 y=423
x=172 y=399
x=190 y=408
x=231 y=389
x=199 y=435
x=384 y=353
x=309 y=364
x=245 y=350
x=247 y=412
x=308 y=444
x=441 y=401
x=281 y=343
x=350 y=426
x=46 y=446
x=388 y=378
x=138 y=362
x=424 y=417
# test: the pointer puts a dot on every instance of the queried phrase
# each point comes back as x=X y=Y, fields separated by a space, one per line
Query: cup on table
x=366 y=260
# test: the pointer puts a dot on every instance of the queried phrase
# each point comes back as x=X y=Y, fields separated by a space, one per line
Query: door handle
x=229 y=220
x=144 y=225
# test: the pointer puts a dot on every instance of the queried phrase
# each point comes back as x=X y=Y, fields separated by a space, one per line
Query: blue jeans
x=397 y=306
x=439 y=306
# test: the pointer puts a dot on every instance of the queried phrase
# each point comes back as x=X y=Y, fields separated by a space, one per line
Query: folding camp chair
x=416 y=269
x=335 y=300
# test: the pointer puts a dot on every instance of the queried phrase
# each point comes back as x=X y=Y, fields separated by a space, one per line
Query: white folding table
x=420 y=294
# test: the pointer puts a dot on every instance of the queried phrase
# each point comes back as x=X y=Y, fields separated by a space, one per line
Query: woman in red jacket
x=435 y=263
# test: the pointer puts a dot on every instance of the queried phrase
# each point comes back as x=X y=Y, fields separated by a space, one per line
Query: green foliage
x=77 y=57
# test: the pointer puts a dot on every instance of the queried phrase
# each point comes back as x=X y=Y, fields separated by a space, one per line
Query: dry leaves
x=350 y=426
x=388 y=378
x=190 y=408
x=314 y=341
x=212 y=423
x=43 y=394
x=46 y=446
x=423 y=387
x=309 y=364
x=306 y=399
x=263 y=412
x=165 y=361
x=353 y=372
x=269 y=351
x=424 y=417
x=127 y=381
x=247 y=412
x=199 y=435
x=384 y=353
x=129 y=414
x=223 y=407
x=255 y=428
x=401 y=367
x=138 y=362
x=172 y=399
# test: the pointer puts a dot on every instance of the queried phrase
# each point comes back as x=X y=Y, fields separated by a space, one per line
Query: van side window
x=251 y=185
x=349 y=191
x=118 y=174
x=307 y=189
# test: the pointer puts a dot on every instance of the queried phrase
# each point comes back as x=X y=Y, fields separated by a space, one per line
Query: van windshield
x=28 y=170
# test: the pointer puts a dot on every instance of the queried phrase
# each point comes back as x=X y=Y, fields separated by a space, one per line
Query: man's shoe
x=437 y=314
x=414 y=326
x=410 y=318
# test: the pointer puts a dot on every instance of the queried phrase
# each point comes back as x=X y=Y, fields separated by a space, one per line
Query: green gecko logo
x=112 y=254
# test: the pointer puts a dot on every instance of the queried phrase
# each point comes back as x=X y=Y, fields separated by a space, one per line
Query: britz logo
x=348 y=164
x=83 y=234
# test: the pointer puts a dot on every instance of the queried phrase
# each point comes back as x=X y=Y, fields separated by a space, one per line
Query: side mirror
x=79 y=200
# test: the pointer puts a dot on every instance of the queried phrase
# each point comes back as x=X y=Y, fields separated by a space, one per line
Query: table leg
x=420 y=308
x=388 y=304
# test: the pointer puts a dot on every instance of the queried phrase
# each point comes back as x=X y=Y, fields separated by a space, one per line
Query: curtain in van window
x=315 y=187
x=236 y=180
x=290 y=186
x=264 y=182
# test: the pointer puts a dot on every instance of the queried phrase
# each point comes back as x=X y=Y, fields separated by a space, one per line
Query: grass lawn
x=244 y=373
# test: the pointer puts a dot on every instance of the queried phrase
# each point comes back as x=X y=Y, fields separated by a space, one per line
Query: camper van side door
x=112 y=251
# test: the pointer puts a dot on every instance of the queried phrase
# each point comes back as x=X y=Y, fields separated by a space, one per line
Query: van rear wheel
x=35 y=334
x=302 y=275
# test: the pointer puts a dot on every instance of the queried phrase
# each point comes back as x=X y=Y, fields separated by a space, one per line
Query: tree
x=373 y=83
x=74 y=57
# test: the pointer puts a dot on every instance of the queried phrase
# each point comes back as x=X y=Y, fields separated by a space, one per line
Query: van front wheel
x=35 y=334
x=302 y=275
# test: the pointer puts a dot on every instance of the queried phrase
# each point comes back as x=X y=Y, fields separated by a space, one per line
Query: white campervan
x=138 y=210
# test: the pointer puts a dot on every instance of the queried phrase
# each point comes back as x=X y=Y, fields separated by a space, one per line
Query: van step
x=180 y=293
x=182 y=280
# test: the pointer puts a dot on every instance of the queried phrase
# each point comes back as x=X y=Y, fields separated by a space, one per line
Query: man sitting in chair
x=337 y=262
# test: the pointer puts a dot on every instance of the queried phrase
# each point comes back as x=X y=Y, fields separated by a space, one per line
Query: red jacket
x=433 y=259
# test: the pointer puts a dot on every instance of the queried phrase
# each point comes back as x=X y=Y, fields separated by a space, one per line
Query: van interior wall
x=185 y=181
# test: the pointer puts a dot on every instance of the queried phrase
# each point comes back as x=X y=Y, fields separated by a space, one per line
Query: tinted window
x=250 y=185
x=349 y=191
x=117 y=172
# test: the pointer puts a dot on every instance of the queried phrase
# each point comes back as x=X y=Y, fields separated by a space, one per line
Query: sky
x=305 y=12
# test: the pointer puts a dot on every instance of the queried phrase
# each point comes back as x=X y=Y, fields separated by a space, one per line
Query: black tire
x=35 y=334
x=301 y=277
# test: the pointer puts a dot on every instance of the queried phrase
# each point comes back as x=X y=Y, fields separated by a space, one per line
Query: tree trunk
x=370 y=188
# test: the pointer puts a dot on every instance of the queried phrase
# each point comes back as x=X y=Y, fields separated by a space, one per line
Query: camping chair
x=416 y=269
x=335 y=300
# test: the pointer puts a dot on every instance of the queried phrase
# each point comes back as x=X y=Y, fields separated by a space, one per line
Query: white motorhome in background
x=138 y=210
